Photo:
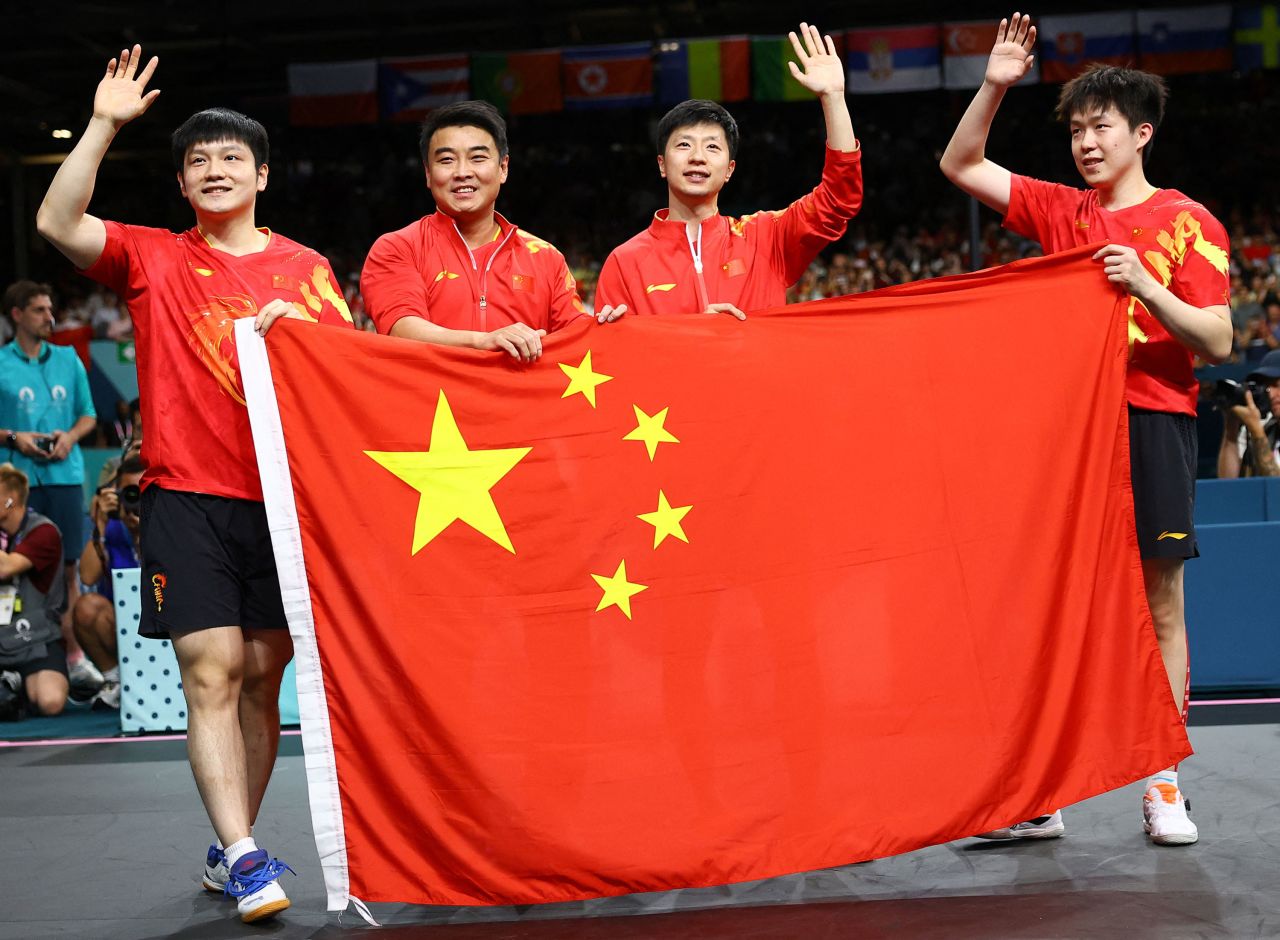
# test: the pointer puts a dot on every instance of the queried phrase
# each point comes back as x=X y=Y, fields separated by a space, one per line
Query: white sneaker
x=215 y=862
x=84 y=679
x=108 y=697
x=255 y=884
x=1042 y=827
x=1165 y=816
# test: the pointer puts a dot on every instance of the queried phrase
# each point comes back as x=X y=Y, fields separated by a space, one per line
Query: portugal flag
x=691 y=601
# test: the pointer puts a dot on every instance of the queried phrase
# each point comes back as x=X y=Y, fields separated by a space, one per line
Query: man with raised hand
x=691 y=259
x=464 y=275
x=1170 y=255
x=209 y=575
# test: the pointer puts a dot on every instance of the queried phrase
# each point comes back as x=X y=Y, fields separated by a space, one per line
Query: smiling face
x=464 y=171
x=219 y=179
x=696 y=162
x=1107 y=151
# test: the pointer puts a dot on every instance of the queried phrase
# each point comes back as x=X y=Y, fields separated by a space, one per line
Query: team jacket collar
x=664 y=229
x=444 y=225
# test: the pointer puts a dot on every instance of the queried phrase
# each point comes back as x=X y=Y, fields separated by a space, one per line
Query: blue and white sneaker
x=1042 y=827
x=215 y=870
x=255 y=884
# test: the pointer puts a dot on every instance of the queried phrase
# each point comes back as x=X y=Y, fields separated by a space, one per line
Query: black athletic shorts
x=1162 y=462
x=54 y=659
x=206 y=562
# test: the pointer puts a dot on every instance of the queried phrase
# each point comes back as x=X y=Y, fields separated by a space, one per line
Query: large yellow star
x=666 y=520
x=583 y=379
x=454 y=482
x=650 y=429
x=618 y=590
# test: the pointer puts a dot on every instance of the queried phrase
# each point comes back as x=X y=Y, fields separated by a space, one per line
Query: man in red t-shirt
x=691 y=259
x=209 y=576
x=464 y=275
x=1171 y=257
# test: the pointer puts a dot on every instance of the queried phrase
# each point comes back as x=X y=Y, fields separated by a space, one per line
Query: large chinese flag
x=691 y=601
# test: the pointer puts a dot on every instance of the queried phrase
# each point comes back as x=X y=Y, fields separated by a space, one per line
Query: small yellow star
x=650 y=429
x=583 y=379
x=618 y=590
x=666 y=520
x=453 y=481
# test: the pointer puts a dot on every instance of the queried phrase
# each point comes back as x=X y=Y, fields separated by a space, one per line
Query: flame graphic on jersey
x=1183 y=235
x=212 y=338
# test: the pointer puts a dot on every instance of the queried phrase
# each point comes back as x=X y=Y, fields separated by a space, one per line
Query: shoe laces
x=215 y=857
x=242 y=884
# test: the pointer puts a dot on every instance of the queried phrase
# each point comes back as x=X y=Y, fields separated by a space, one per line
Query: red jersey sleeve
x=1203 y=277
x=611 y=288
x=1034 y=204
x=43 y=546
x=119 y=267
x=818 y=218
x=566 y=305
x=391 y=282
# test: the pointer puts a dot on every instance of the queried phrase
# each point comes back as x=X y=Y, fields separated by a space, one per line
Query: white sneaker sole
x=268 y=902
x=1173 y=838
x=263 y=911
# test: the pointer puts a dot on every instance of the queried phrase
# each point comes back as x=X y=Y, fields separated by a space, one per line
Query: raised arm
x=62 y=218
x=965 y=160
x=821 y=71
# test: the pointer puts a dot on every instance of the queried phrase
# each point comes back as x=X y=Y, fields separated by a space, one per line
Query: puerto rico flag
x=409 y=88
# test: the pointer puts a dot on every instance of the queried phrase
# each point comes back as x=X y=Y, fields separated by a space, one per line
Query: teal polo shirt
x=46 y=394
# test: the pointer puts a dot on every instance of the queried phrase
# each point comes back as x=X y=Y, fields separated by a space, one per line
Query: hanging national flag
x=771 y=79
x=966 y=47
x=409 y=88
x=1069 y=43
x=1257 y=38
x=518 y=82
x=894 y=58
x=1178 y=40
x=326 y=94
x=715 y=69
x=619 y=76
x=641 y=633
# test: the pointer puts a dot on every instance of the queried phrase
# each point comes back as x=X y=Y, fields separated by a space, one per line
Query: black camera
x=45 y=444
x=1228 y=393
x=131 y=499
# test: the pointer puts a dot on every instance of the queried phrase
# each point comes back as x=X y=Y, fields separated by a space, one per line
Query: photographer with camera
x=45 y=409
x=32 y=598
x=1250 y=430
x=116 y=512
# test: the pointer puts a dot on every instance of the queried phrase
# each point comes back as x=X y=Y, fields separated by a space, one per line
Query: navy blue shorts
x=206 y=562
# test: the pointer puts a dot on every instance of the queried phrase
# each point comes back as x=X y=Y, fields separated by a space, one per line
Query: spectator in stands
x=45 y=409
x=32 y=599
x=1256 y=340
x=114 y=545
x=1249 y=440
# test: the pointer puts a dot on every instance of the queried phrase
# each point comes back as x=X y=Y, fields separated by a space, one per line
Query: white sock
x=1169 y=776
x=236 y=850
x=113 y=675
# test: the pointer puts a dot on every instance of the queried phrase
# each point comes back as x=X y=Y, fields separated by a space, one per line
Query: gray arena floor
x=106 y=840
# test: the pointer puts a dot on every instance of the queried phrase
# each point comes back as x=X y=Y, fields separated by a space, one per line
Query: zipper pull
x=483 y=303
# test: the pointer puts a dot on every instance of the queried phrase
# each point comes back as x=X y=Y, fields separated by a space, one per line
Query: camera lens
x=131 y=498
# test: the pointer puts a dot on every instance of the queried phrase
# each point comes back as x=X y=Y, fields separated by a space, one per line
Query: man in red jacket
x=464 y=275
x=691 y=259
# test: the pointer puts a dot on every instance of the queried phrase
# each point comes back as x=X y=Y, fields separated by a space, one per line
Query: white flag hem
x=286 y=543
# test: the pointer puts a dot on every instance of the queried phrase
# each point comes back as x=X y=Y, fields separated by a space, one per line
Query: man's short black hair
x=698 y=111
x=21 y=293
x=1138 y=95
x=479 y=114
x=217 y=124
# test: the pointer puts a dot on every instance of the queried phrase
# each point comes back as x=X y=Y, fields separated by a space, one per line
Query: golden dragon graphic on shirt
x=212 y=335
x=1184 y=235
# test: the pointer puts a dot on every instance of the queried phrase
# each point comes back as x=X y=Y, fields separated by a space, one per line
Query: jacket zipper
x=484 y=275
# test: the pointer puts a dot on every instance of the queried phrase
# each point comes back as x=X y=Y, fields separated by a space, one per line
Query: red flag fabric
x=690 y=601
x=78 y=338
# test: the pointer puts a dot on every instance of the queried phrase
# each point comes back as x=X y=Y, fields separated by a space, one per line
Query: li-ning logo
x=158 y=583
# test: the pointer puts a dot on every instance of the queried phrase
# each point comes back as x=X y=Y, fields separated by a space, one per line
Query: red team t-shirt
x=1180 y=244
x=184 y=297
